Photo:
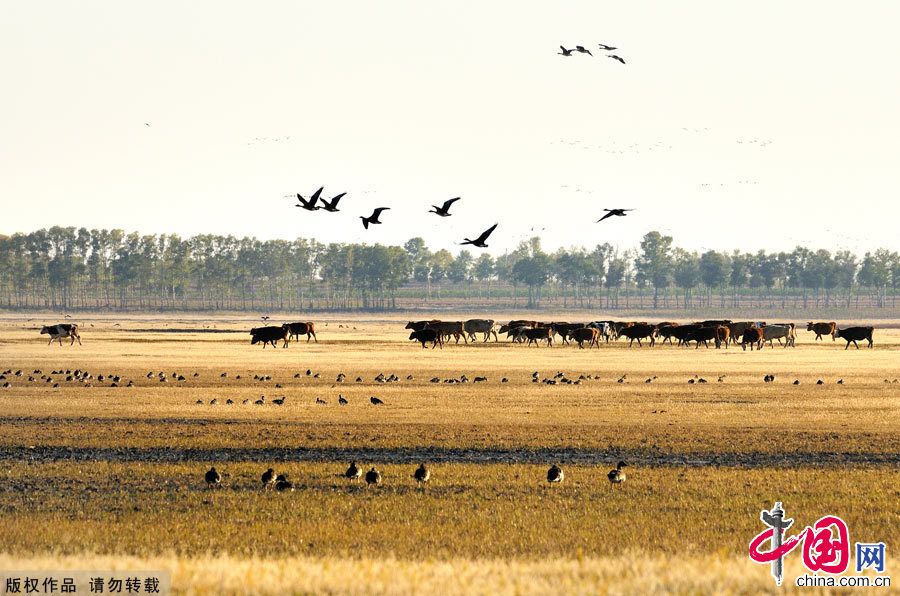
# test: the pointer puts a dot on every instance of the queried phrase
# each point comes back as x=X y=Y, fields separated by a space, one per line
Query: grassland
x=90 y=474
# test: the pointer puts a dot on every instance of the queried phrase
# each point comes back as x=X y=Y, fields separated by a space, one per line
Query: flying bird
x=373 y=219
x=616 y=212
x=479 y=242
x=444 y=210
x=583 y=50
x=309 y=205
x=331 y=207
x=607 y=48
x=565 y=52
x=614 y=57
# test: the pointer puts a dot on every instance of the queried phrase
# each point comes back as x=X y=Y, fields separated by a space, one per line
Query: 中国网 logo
x=825 y=545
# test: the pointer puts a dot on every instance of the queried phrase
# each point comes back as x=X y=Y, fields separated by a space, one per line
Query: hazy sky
x=733 y=125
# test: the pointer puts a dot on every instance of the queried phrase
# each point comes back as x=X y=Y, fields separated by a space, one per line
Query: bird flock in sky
x=584 y=50
x=317 y=203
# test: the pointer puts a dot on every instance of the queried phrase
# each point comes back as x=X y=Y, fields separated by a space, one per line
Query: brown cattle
x=297 y=329
x=752 y=335
x=586 y=334
x=448 y=328
x=723 y=334
x=737 y=329
x=485 y=326
x=821 y=329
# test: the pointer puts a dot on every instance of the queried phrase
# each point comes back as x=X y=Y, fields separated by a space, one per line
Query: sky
x=763 y=125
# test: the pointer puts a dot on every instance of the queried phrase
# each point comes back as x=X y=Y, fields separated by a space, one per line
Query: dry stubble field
x=101 y=476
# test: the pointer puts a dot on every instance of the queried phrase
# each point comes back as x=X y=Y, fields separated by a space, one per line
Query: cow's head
x=412 y=335
x=809 y=326
x=44 y=330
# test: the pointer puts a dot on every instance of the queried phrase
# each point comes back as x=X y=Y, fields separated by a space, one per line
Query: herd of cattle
x=721 y=332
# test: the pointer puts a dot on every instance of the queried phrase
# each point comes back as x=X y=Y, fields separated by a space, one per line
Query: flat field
x=112 y=476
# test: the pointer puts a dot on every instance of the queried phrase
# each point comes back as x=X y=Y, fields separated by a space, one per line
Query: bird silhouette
x=614 y=57
x=607 y=48
x=332 y=206
x=375 y=401
x=616 y=212
x=268 y=479
x=373 y=219
x=283 y=484
x=422 y=474
x=342 y=400
x=565 y=52
x=583 y=50
x=309 y=205
x=373 y=476
x=353 y=472
x=213 y=478
x=444 y=210
x=555 y=474
x=479 y=242
x=617 y=476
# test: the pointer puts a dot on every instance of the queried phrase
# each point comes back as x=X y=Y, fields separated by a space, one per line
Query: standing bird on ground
x=375 y=401
x=332 y=206
x=422 y=474
x=283 y=484
x=353 y=472
x=444 y=210
x=607 y=48
x=342 y=400
x=268 y=479
x=480 y=241
x=616 y=212
x=373 y=219
x=213 y=478
x=309 y=205
x=565 y=52
x=617 y=58
x=617 y=476
x=373 y=476
x=583 y=50
x=555 y=474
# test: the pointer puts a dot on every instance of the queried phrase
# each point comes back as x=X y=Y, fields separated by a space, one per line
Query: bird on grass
x=213 y=478
x=373 y=219
x=612 y=212
x=309 y=205
x=353 y=472
x=342 y=400
x=331 y=207
x=375 y=401
x=268 y=479
x=444 y=210
x=373 y=476
x=555 y=474
x=480 y=241
x=422 y=474
x=283 y=484
x=617 y=476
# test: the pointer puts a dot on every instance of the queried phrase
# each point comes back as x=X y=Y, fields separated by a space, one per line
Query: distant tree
x=686 y=273
x=654 y=265
x=715 y=268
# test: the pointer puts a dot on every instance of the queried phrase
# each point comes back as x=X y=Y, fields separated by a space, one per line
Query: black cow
x=854 y=334
x=538 y=333
x=60 y=331
x=428 y=335
x=640 y=331
x=269 y=335
x=703 y=334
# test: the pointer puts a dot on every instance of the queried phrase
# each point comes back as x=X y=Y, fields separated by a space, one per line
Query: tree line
x=65 y=268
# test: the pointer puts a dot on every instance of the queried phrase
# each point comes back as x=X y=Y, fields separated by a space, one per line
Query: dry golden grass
x=113 y=471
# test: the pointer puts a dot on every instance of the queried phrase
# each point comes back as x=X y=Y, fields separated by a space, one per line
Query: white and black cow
x=60 y=331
